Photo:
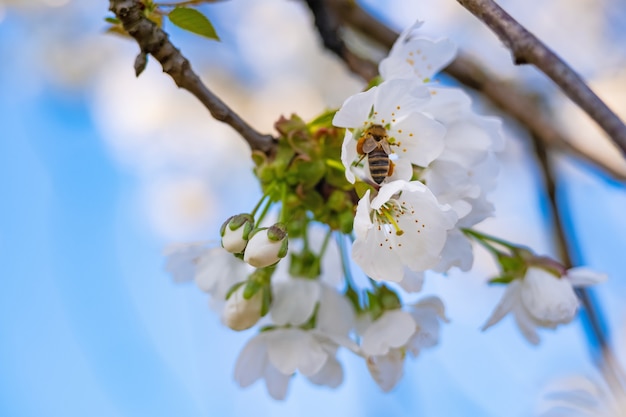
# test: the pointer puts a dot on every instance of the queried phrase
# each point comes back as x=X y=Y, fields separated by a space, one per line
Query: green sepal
x=283 y=249
x=255 y=231
x=353 y=297
x=389 y=300
x=512 y=265
x=373 y=305
x=268 y=328
x=259 y=158
x=377 y=80
x=361 y=188
x=277 y=232
x=305 y=265
x=266 y=300
x=234 y=288
x=502 y=279
x=308 y=173
x=193 y=21
x=252 y=287
x=323 y=120
x=112 y=20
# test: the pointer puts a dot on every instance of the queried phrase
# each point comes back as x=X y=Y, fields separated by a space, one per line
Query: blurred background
x=99 y=171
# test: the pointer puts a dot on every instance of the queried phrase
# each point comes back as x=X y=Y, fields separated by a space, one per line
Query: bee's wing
x=369 y=144
x=385 y=145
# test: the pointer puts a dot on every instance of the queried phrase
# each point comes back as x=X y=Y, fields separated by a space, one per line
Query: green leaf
x=112 y=20
x=193 y=21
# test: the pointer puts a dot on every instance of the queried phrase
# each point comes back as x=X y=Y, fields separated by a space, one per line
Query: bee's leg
x=391 y=166
x=360 y=159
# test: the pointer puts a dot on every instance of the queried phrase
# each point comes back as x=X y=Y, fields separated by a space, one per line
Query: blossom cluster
x=402 y=172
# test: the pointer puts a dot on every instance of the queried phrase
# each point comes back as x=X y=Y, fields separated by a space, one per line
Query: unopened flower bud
x=241 y=314
x=548 y=298
x=235 y=232
x=267 y=246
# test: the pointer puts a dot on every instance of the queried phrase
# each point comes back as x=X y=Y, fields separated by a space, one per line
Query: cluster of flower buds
x=260 y=247
x=402 y=171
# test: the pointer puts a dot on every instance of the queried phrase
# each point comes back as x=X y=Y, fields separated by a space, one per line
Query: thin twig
x=592 y=313
x=327 y=26
x=502 y=94
x=528 y=49
x=152 y=40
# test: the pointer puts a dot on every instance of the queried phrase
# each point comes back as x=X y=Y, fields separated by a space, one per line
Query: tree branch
x=327 y=25
x=152 y=40
x=606 y=361
x=527 y=49
x=503 y=95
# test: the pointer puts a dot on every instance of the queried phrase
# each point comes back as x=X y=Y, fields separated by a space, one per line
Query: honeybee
x=374 y=143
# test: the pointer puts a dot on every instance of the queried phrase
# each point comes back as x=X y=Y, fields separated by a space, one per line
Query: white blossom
x=397 y=106
x=183 y=258
x=387 y=340
x=403 y=226
x=416 y=57
x=541 y=299
x=276 y=354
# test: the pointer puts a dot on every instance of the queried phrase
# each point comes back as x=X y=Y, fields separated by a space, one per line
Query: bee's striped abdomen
x=379 y=163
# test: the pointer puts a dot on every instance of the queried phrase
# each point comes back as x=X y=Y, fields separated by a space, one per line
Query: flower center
x=389 y=213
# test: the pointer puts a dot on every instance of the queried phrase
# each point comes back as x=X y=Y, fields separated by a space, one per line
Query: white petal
x=251 y=361
x=355 y=110
x=387 y=369
x=448 y=105
x=218 y=270
x=412 y=281
x=389 y=189
x=276 y=383
x=294 y=301
x=547 y=297
x=582 y=277
x=335 y=314
x=427 y=57
x=362 y=221
x=392 y=330
x=508 y=301
x=397 y=98
x=379 y=263
x=425 y=230
x=330 y=375
x=419 y=139
x=294 y=349
x=456 y=252
x=526 y=324
x=402 y=170
x=427 y=334
x=432 y=304
x=349 y=155
x=392 y=67
x=182 y=259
